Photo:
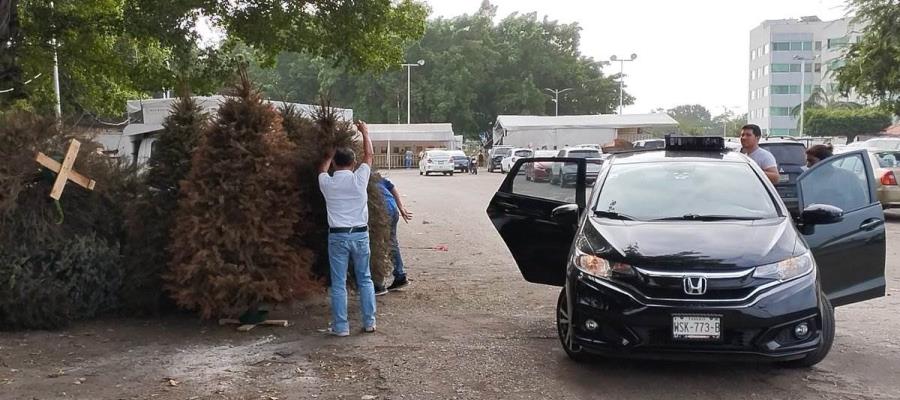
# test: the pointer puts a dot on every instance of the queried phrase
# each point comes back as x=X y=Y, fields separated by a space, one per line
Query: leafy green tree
x=845 y=121
x=872 y=66
x=475 y=69
x=693 y=119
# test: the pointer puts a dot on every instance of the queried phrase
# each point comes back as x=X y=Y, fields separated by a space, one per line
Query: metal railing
x=395 y=161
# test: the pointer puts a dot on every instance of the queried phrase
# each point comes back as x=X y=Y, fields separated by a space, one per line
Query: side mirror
x=566 y=214
x=821 y=214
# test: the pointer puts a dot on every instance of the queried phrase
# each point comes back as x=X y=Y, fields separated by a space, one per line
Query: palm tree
x=819 y=98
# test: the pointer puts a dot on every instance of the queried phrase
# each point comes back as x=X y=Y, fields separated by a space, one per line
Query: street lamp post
x=803 y=61
x=556 y=93
x=408 y=99
x=622 y=75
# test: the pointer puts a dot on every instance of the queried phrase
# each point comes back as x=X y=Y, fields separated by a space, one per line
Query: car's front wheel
x=563 y=324
x=824 y=347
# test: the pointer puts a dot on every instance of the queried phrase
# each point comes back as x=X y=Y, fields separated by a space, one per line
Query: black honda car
x=689 y=252
x=790 y=155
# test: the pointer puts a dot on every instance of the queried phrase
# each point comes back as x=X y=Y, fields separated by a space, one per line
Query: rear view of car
x=566 y=173
x=539 y=171
x=507 y=163
x=791 y=159
x=460 y=161
x=436 y=161
x=887 y=168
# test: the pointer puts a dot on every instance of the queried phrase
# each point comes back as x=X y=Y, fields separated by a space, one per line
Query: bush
x=50 y=272
x=847 y=122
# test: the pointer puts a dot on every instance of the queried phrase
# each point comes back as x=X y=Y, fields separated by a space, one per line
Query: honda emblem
x=694 y=285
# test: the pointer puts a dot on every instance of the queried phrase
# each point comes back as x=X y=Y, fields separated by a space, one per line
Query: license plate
x=696 y=327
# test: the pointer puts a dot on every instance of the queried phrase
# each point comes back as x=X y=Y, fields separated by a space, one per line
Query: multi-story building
x=779 y=50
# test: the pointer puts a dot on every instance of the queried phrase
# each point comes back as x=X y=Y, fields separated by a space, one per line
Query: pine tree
x=234 y=244
x=314 y=136
x=152 y=215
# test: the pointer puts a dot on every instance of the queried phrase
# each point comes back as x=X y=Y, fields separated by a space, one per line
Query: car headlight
x=786 y=270
x=601 y=267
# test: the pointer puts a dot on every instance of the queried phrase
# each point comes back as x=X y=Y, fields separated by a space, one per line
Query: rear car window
x=584 y=154
x=887 y=159
x=523 y=153
x=502 y=152
x=649 y=191
x=787 y=153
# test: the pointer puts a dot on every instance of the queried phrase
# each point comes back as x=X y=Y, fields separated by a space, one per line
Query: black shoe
x=398 y=285
x=380 y=291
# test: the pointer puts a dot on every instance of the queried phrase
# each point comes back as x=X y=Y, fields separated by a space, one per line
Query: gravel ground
x=469 y=327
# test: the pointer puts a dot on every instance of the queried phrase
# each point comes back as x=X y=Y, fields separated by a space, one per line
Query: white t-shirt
x=763 y=158
x=345 y=197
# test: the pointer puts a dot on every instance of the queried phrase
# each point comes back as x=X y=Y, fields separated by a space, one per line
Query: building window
x=753 y=54
x=753 y=94
x=809 y=67
x=780 y=111
x=766 y=49
x=818 y=45
x=766 y=70
x=838 y=42
x=783 y=68
x=781 y=46
x=752 y=74
x=818 y=67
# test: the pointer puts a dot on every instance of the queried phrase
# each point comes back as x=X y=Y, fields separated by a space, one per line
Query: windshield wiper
x=700 y=217
x=613 y=215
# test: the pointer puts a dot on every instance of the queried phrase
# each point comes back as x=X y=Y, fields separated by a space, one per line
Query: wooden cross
x=64 y=171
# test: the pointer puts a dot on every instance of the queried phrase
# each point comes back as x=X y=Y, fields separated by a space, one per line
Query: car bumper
x=889 y=196
x=540 y=174
x=630 y=325
x=439 y=168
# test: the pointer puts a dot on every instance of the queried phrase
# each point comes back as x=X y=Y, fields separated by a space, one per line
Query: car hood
x=687 y=245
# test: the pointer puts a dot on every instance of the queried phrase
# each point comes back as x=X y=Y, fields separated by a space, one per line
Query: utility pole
x=556 y=93
x=409 y=99
x=622 y=76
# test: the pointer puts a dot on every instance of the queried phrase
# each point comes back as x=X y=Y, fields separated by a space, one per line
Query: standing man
x=347 y=203
x=408 y=158
x=395 y=210
x=750 y=135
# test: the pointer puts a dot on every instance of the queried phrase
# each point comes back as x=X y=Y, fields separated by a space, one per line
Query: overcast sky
x=689 y=51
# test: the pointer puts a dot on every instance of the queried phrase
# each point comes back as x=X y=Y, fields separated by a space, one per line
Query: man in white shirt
x=347 y=203
x=750 y=135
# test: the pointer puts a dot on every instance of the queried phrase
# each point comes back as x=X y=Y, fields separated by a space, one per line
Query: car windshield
x=584 y=154
x=459 y=157
x=523 y=153
x=786 y=153
x=684 y=190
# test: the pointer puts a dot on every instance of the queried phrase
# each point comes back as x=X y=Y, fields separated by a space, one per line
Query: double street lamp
x=556 y=93
x=408 y=99
x=622 y=75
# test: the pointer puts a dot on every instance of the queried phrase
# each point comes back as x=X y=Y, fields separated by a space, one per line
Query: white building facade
x=569 y=130
x=787 y=54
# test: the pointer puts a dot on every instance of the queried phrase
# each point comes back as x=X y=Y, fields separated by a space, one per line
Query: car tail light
x=889 y=179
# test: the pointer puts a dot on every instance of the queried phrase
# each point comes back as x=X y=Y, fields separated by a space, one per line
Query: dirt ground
x=469 y=327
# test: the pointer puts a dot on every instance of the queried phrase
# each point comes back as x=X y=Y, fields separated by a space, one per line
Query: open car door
x=850 y=253
x=522 y=211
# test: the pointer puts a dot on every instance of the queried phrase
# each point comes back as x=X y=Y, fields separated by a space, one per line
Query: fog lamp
x=591 y=325
x=801 y=331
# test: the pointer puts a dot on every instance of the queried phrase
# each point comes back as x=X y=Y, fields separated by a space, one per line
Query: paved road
x=469 y=328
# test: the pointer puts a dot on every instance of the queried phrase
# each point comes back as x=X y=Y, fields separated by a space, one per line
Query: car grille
x=659 y=285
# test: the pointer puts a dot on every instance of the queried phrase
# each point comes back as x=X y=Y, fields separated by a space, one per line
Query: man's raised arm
x=368 y=152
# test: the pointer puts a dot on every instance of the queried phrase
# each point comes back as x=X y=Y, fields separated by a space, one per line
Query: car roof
x=677 y=155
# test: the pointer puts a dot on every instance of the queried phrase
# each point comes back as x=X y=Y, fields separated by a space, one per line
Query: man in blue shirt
x=395 y=211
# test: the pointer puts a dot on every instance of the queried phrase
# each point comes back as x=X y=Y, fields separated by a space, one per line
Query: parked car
x=564 y=173
x=791 y=158
x=496 y=156
x=539 y=171
x=436 y=161
x=876 y=144
x=649 y=144
x=690 y=253
x=514 y=155
x=886 y=168
x=460 y=160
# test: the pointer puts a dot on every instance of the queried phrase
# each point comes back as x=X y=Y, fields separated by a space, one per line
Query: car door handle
x=870 y=224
